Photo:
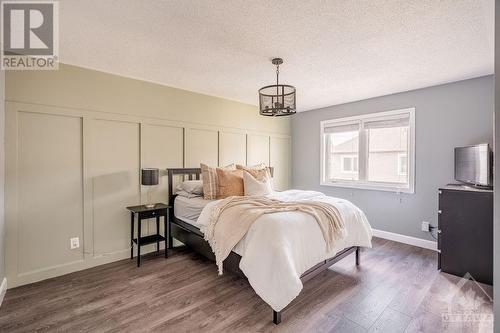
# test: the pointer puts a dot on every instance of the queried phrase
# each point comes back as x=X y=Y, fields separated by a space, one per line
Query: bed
x=184 y=227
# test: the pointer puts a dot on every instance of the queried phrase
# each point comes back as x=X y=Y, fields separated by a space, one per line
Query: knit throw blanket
x=232 y=217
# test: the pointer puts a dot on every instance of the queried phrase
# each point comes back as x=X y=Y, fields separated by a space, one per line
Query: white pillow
x=191 y=187
x=253 y=186
x=185 y=194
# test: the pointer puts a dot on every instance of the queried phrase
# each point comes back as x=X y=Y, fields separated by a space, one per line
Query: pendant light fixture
x=278 y=99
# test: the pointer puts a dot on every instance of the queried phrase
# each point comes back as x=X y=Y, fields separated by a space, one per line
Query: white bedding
x=280 y=247
x=189 y=209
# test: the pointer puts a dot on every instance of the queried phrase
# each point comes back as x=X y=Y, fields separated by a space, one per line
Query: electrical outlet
x=74 y=243
x=426 y=226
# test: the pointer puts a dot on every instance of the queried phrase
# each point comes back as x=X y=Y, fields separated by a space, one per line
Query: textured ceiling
x=334 y=51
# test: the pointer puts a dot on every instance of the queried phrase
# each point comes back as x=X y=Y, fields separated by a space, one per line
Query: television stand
x=465 y=232
x=470 y=187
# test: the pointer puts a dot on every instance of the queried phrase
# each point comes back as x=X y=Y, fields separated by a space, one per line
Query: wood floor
x=396 y=289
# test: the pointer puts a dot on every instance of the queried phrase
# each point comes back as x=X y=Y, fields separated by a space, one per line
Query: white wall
x=76 y=141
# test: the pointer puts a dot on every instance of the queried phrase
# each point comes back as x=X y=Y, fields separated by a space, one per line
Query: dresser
x=465 y=232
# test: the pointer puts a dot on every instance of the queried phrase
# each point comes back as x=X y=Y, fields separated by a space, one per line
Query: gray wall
x=449 y=115
x=2 y=174
x=496 y=194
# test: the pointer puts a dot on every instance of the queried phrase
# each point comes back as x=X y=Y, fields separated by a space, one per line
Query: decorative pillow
x=210 y=181
x=259 y=166
x=185 y=194
x=254 y=186
x=230 y=183
x=258 y=171
x=191 y=186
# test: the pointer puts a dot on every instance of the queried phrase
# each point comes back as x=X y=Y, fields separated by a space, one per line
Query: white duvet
x=280 y=247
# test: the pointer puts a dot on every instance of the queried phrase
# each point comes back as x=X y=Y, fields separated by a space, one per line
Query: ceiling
x=334 y=51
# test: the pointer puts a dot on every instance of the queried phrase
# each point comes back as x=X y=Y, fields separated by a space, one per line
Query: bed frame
x=193 y=237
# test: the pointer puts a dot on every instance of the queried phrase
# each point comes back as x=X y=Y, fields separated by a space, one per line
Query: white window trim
x=342 y=158
x=391 y=187
x=399 y=164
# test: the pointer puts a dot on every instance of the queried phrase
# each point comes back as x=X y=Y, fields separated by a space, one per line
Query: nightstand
x=142 y=212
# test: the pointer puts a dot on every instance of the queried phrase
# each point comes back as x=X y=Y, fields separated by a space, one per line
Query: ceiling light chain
x=277 y=74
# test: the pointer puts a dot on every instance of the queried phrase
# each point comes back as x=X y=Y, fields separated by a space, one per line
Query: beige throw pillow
x=258 y=171
x=254 y=186
x=230 y=183
x=210 y=180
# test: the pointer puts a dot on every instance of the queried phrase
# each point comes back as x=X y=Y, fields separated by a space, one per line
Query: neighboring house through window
x=349 y=163
x=402 y=164
x=372 y=151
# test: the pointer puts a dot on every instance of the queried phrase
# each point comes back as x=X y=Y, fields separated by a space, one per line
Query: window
x=349 y=163
x=342 y=149
x=403 y=164
x=373 y=151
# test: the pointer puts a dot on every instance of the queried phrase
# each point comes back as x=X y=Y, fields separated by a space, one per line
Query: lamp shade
x=278 y=99
x=149 y=176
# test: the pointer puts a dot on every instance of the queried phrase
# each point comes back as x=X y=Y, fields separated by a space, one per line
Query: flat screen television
x=473 y=165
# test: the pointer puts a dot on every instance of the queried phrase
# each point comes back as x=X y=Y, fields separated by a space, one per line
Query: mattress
x=189 y=209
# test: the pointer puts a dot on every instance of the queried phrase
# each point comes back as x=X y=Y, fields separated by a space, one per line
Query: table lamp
x=149 y=177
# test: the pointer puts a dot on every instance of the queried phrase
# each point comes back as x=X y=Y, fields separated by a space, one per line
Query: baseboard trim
x=426 y=244
x=89 y=261
x=3 y=290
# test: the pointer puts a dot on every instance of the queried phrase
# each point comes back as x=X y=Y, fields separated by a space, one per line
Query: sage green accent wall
x=80 y=88
x=76 y=141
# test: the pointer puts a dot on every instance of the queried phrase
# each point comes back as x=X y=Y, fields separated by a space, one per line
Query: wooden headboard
x=187 y=174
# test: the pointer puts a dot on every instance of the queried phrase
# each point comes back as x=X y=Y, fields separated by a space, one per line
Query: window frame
x=363 y=153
